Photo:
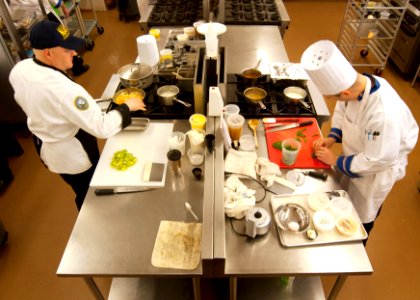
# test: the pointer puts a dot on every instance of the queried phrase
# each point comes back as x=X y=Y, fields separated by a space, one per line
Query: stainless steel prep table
x=115 y=235
x=266 y=257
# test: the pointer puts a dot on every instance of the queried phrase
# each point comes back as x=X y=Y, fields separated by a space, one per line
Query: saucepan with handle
x=167 y=95
x=296 y=95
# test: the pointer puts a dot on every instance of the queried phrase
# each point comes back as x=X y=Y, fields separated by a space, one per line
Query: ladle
x=253 y=124
x=177 y=75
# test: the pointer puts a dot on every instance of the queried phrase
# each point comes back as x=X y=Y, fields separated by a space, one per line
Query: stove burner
x=175 y=13
x=157 y=111
x=251 y=12
x=277 y=104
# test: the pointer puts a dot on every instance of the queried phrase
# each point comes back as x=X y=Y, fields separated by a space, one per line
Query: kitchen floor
x=39 y=212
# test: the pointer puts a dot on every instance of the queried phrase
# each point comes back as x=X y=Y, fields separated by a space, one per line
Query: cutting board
x=305 y=159
x=147 y=146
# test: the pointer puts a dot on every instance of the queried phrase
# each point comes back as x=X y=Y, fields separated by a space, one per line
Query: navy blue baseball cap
x=47 y=34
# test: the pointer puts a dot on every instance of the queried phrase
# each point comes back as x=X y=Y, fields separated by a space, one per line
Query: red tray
x=305 y=159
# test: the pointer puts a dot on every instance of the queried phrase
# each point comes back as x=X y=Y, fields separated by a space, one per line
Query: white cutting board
x=150 y=145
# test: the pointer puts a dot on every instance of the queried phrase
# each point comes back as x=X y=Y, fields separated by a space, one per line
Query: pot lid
x=328 y=68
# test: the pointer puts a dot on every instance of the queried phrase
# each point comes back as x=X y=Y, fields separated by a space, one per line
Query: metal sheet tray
x=298 y=239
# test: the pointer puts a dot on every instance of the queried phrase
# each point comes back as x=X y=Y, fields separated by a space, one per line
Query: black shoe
x=4 y=239
x=80 y=70
x=5 y=182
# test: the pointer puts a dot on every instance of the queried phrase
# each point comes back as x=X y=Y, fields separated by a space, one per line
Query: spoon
x=189 y=208
x=253 y=124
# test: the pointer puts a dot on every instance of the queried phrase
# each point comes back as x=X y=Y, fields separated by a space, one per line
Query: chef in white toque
x=374 y=125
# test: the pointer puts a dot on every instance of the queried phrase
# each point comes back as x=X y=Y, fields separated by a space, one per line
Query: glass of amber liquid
x=235 y=125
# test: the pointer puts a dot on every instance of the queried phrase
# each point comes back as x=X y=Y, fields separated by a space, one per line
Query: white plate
x=215 y=27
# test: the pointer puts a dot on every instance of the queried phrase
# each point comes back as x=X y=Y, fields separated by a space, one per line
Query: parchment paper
x=177 y=245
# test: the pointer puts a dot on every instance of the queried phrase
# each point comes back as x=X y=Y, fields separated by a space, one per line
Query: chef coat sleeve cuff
x=344 y=164
x=125 y=113
x=336 y=134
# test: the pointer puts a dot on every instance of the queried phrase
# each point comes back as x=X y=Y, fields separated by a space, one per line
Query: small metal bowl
x=290 y=215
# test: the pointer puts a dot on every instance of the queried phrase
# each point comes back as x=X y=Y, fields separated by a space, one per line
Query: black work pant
x=79 y=182
x=369 y=226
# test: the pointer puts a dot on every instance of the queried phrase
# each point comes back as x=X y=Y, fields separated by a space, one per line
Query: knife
x=120 y=190
x=317 y=175
x=288 y=126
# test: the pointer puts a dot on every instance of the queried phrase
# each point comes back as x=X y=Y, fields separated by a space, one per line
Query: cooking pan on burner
x=124 y=94
x=255 y=95
x=296 y=95
x=167 y=95
x=137 y=75
x=250 y=76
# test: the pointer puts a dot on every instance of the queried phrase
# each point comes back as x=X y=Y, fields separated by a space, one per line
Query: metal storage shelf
x=81 y=27
x=370 y=27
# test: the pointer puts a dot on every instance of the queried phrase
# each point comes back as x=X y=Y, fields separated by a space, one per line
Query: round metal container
x=137 y=75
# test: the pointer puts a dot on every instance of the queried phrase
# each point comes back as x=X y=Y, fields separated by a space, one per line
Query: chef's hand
x=326 y=156
x=135 y=104
x=323 y=142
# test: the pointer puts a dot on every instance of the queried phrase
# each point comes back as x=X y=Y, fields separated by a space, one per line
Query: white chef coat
x=378 y=132
x=57 y=108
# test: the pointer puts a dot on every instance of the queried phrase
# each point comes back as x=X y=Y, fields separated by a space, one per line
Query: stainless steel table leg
x=233 y=284
x=196 y=288
x=94 y=288
x=415 y=76
x=337 y=287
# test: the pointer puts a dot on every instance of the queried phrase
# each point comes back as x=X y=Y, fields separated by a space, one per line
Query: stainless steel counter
x=115 y=235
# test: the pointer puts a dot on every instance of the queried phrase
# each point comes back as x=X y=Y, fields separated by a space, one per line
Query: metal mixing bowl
x=292 y=213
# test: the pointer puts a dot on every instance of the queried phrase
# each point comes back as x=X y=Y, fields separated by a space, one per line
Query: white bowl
x=323 y=220
x=341 y=206
x=347 y=226
x=318 y=201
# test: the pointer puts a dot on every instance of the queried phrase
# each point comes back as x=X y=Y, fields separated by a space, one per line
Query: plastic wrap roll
x=148 y=50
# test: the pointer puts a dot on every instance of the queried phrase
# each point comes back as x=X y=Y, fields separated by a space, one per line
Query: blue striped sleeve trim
x=336 y=134
x=58 y=4
x=344 y=164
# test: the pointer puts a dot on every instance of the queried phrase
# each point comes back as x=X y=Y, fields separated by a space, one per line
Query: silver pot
x=136 y=75
x=167 y=95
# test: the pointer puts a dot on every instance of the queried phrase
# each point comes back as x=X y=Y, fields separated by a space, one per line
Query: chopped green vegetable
x=277 y=145
x=297 y=139
x=290 y=148
x=300 y=133
x=122 y=160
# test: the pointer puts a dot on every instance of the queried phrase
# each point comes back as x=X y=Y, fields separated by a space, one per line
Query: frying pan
x=255 y=95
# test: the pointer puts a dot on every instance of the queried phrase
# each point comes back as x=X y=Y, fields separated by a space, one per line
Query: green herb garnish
x=277 y=145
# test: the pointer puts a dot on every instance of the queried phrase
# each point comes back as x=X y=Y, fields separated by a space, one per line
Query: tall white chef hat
x=328 y=68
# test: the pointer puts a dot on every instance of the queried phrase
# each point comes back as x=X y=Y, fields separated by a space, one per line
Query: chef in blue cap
x=64 y=119
x=374 y=125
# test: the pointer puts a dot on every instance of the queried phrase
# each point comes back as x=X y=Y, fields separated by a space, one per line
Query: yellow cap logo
x=63 y=31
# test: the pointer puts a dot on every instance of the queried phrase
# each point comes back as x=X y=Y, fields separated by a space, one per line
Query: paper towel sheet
x=177 y=245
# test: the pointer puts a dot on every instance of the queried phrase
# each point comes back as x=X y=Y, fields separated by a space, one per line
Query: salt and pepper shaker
x=174 y=157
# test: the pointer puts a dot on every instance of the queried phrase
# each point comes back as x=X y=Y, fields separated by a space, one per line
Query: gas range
x=155 y=110
x=175 y=13
x=276 y=102
x=252 y=12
